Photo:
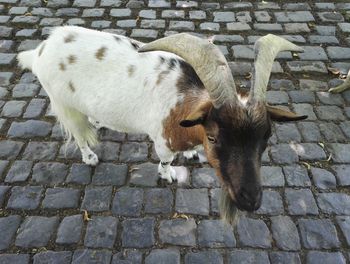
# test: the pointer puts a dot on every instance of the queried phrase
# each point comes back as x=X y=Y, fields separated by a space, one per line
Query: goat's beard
x=228 y=210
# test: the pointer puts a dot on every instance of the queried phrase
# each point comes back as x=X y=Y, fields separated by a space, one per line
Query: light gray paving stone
x=314 y=257
x=334 y=203
x=248 y=256
x=285 y=233
x=70 y=229
x=8 y=228
x=253 y=233
x=215 y=234
x=52 y=257
x=301 y=202
x=178 y=232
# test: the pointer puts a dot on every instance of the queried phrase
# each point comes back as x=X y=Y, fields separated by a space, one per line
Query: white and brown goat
x=179 y=90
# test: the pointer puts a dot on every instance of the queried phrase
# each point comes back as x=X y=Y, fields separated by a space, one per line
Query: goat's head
x=237 y=126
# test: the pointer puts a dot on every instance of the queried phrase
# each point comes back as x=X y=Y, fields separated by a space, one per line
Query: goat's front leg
x=89 y=157
x=166 y=156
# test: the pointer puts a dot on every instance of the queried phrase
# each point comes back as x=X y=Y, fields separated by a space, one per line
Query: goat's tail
x=26 y=59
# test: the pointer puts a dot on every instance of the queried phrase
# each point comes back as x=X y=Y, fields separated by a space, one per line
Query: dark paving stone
x=307 y=66
x=145 y=174
x=40 y=151
x=91 y=256
x=128 y=201
x=334 y=203
x=342 y=173
x=158 y=201
x=309 y=151
x=296 y=176
x=79 y=174
x=107 y=151
x=14 y=258
x=215 y=234
x=204 y=177
x=8 y=228
x=302 y=96
x=318 y=234
x=203 y=257
x=3 y=191
x=344 y=223
x=248 y=257
x=253 y=233
x=329 y=112
x=285 y=233
x=97 y=199
x=272 y=176
x=19 y=171
x=127 y=257
x=345 y=126
x=110 y=174
x=26 y=198
x=283 y=153
x=179 y=232
x=69 y=231
x=132 y=152
x=69 y=151
x=13 y=108
x=36 y=231
x=310 y=131
x=323 y=179
x=101 y=232
x=340 y=152
x=166 y=256
x=138 y=233
x=316 y=257
x=50 y=173
x=331 y=132
x=284 y=258
x=214 y=199
x=29 y=129
x=287 y=132
x=301 y=202
x=271 y=204
x=61 y=198
x=192 y=201
x=52 y=257
x=107 y=134
x=10 y=149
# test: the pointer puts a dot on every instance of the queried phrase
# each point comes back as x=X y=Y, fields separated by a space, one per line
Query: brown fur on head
x=235 y=139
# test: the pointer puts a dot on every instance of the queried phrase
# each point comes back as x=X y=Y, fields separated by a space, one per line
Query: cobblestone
x=70 y=229
x=178 y=232
x=301 y=202
x=101 y=232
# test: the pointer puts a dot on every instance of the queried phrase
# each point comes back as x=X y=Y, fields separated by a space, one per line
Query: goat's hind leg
x=76 y=125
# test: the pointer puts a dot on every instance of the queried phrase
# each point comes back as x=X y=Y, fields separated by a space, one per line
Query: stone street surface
x=54 y=209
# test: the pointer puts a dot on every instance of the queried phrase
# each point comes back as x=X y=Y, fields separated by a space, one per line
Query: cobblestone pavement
x=305 y=215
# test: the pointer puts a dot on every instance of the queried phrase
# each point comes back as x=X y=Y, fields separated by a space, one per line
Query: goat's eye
x=212 y=139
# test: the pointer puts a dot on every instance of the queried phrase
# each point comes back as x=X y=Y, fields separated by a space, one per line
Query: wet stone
x=19 y=171
x=179 y=232
x=60 y=198
x=253 y=233
x=296 y=176
x=8 y=228
x=170 y=256
x=203 y=257
x=271 y=203
x=334 y=203
x=128 y=201
x=110 y=174
x=285 y=233
x=215 y=234
x=49 y=173
x=248 y=256
x=79 y=174
x=97 y=199
x=158 y=201
x=192 y=201
x=342 y=173
x=14 y=258
x=272 y=176
x=40 y=150
x=285 y=258
x=204 y=177
x=316 y=257
x=26 y=198
x=52 y=257
x=145 y=174
x=91 y=256
x=127 y=257
x=301 y=202
x=29 y=129
x=69 y=231
x=138 y=233
x=323 y=179
x=36 y=231
x=131 y=152
x=101 y=232
x=318 y=234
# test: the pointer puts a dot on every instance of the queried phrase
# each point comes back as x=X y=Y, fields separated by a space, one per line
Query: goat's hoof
x=191 y=154
x=91 y=159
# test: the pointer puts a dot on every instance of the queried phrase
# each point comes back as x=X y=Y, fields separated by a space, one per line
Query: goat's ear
x=197 y=116
x=281 y=115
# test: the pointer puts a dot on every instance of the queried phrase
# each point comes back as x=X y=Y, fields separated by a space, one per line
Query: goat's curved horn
x=265 y=51
x=206 y=59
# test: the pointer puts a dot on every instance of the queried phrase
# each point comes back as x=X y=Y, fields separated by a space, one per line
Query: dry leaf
x=86 y=216
x=295 y=54
x=321 y=144
x=307 y=165
x=133 y=169
x=248 y=76
x=28 y=14
x=329 y=158
x=176 y=215
x=334 y=71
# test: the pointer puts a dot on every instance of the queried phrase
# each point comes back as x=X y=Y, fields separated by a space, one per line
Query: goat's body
x=94 y=74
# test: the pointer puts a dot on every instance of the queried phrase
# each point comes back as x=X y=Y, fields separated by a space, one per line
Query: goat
x=342 y=87
x=179 y=90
